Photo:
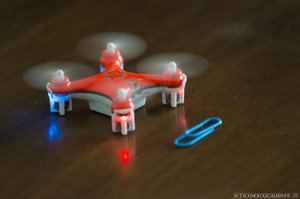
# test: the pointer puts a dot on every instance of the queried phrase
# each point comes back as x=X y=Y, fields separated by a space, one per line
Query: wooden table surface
x=252 y=84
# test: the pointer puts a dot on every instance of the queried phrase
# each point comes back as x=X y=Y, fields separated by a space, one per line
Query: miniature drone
x=114 y=91
x=128 y=93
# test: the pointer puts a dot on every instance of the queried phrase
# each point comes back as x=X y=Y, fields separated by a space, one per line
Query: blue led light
x=102 y=68
x=197 y=132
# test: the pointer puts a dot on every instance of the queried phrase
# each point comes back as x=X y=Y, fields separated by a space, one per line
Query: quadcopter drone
x=113 y=91
x=128 y=93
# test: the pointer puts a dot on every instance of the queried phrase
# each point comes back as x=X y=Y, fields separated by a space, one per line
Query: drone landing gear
x=173 y=97
x=59 y=103
x=123 y=121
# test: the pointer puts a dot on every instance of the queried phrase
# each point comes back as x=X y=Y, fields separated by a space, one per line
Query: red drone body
x=116 y=92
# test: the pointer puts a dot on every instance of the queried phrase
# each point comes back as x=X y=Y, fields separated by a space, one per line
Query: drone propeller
x=129 y=45
x=38 y=76
x=190 y=64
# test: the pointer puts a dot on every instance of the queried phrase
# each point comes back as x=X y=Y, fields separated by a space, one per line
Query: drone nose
x=111 y=48
x=59 y=75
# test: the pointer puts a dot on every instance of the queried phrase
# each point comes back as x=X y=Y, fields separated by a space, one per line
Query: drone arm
x=59 y=92
x=147 y=80
x=66 y=86
x=171 y=85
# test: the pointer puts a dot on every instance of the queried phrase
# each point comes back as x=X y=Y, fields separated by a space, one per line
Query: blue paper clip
x=195 y=133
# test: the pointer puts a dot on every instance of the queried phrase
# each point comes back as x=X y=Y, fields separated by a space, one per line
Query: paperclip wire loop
x=178 y=141
x=197 y=135
x=192 y=132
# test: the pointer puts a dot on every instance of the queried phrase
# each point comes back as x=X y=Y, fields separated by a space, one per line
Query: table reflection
x=125 y=151
x=54 y=132
x=178 y=115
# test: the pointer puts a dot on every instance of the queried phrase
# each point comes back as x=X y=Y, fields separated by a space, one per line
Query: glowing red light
x=182 y=121
x=125 y=156
x=124 y=118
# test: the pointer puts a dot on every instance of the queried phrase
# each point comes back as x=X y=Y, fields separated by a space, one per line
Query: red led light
x=124 y=118
x=125 y=156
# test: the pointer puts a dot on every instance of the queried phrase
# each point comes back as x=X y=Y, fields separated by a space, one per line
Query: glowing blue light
x=102 y=68
x=53 y=130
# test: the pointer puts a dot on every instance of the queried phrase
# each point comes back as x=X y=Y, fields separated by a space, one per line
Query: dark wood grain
x=253 y=85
